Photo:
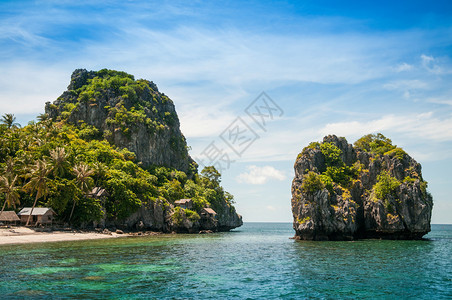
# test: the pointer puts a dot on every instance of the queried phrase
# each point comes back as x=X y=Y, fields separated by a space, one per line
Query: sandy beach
x=24 y=235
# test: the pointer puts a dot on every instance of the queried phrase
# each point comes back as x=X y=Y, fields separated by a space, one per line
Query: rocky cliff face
x=133 y=114
x=160 y=216
x=372 y=190
x=129 y=113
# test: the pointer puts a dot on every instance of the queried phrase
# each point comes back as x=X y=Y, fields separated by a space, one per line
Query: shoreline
x=24 y=235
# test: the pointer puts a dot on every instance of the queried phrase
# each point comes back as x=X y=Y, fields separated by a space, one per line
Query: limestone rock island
x=109 y=153
x=371 y=189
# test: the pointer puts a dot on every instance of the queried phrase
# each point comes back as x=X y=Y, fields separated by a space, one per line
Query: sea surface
x=256 y=261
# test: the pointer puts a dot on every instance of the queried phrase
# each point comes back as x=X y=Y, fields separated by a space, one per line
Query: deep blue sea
x=256 y=261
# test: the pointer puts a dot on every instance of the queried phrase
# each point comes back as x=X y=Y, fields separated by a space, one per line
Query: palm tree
x=10 y=121
x=11 y=191
x=59 y=161
x=84 y=181
x=38 y=182
x=42 y=117
x=9 y=167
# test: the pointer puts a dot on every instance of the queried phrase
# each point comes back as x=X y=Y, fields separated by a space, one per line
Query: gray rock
x=162 y=144
x=355 y=212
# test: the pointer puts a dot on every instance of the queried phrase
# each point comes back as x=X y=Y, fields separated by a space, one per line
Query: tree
x=43 y=117
x=59 y=157
x=10 y=121
x=38 y=182
x=8 y=186
x=84 y=181
x=211 y=177
x=376 y=143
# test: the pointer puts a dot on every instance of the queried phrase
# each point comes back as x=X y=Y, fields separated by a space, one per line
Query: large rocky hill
x=125 y=136
x=370 y=190
x=129 y=113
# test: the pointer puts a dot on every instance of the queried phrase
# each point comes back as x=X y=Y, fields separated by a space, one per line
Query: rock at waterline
x=370 y=190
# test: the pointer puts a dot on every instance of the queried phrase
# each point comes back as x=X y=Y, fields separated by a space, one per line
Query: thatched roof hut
x=9 y=217
x=207 y=212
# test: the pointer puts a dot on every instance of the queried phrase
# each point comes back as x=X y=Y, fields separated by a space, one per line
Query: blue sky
x=347 y=68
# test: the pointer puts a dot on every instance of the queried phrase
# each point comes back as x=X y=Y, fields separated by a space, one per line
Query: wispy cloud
x=424 y=125
x=404 y=67
x=260 y=175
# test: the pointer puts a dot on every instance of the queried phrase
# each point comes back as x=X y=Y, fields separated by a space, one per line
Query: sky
x=286 y=72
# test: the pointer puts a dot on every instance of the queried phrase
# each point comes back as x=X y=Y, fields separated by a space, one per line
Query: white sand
x=24 y=235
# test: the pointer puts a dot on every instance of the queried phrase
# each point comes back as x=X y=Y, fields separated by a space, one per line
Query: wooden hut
x=41 y=215
x=207 y=212
x=184 y=203
x=8 y=217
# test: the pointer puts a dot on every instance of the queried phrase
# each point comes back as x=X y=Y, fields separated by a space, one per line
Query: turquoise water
x=256 y=261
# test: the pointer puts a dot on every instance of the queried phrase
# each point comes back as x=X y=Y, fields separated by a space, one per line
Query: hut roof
x=8 y=216
x=182 y=201
x=98 y=192
x=209 y=210
x=37 y=211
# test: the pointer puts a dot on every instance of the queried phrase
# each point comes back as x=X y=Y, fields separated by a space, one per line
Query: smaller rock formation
x=370 y=190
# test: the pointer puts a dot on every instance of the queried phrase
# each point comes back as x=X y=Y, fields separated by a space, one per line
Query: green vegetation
x=55 y=164
x=374 y=143
x=385 y=186
x=335 y=172
x=138 y=94
x=312 y=182
x=304 y=220
x=396 y=152
x=332 y=155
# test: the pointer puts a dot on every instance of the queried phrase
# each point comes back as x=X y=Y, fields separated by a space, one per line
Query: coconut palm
x=8 y=186
x=59 y=162
x=9 y=167
x=84 y=181
x=38 y=182
x=42 y=117
x=10 y=121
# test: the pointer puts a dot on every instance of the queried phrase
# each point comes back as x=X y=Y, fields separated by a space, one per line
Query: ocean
x=255 y=261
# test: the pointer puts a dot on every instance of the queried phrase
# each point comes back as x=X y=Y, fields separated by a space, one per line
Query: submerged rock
x=370 y=190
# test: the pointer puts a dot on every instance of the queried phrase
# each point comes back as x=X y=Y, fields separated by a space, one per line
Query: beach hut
x=184 y=203
x=8 y=217
x=41 y=215
x=207 y=212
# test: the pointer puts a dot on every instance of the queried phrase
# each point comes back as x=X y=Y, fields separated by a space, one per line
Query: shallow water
x=256 y=261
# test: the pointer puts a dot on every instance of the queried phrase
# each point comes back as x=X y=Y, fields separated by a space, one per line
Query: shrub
x=332 y=155
x=192 y=215
x=312 y=183
x=385 y=186
x=396 y=152
x=375 y=143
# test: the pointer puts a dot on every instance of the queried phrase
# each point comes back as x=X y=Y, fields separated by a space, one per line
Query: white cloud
x=424 y=125
x=431 y=65
x=445 y=101
x=404 y=67
x=406 y=85
x=260 y=175
x=426 y=59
